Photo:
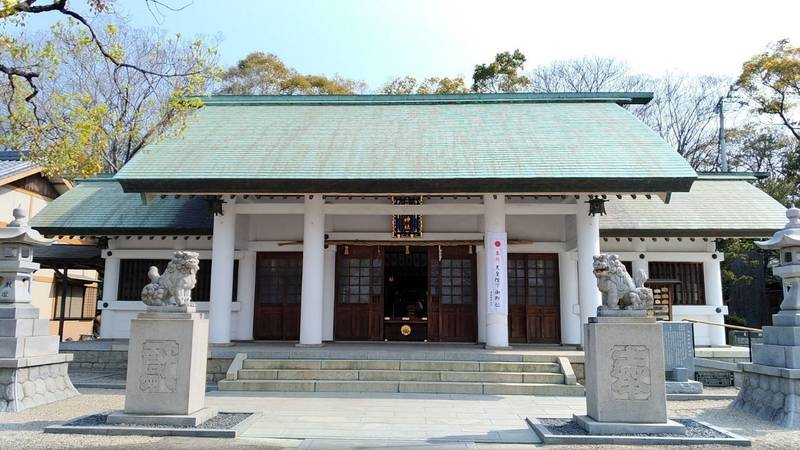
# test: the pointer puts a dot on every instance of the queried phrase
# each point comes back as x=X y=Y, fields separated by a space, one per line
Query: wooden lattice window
x=532 y=279
x=517 y=275
x=133 y=277
x=689 y=288
x=279 y=278
x=75 y=305
x=90 y=301
x=357 y=277
x=457 y=281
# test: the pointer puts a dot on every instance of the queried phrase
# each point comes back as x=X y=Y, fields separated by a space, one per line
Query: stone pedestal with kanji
x=166 y=380
x=625 y=389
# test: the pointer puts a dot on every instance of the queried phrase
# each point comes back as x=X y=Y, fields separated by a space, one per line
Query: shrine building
x=452 y=218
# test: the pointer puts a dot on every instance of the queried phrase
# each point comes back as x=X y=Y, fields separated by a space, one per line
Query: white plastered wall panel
x=684 y=250
x=536 y=228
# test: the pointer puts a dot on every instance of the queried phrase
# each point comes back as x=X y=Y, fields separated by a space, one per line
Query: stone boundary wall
x=99 y=359
x=118 y=359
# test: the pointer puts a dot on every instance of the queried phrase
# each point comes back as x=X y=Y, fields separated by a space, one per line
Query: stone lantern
x=771 y=383
x=787 y=243
x=16 y=258
x=32 y=372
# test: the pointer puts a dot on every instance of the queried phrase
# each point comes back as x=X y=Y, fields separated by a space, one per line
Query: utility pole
x=723 y=152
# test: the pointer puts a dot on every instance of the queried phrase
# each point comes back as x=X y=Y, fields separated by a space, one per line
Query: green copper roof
x=99 y=207
x=412 y=144
x=719 y=205
x=715 y=207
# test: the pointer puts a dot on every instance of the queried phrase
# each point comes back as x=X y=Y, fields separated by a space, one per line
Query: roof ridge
x=621 y=98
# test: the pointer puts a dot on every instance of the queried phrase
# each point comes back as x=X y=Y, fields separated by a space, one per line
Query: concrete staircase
x=545 y=377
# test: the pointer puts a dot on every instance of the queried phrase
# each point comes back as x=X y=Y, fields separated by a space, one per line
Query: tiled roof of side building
x=718 y=205
x=11 y=163
x=724 y=206
x=98 y=207
x=412 y=144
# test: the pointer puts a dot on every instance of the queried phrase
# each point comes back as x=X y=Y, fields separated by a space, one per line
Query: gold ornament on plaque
x=405 y=330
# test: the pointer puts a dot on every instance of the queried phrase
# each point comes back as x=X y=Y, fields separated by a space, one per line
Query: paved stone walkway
x=414 y=417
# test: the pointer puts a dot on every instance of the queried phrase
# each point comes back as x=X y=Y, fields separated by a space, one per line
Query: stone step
x=400 y=387
x=413 y=365
x=400 y=375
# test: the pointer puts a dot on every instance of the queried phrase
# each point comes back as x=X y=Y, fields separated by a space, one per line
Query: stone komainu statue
x=619 y=290
x=174 y=286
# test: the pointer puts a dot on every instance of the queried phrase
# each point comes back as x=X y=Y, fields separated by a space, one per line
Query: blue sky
x=375 y=40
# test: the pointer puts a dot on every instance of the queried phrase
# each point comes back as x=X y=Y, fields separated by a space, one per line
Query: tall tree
x=682 y=110
x=90 y=114
x=587 y=74
x=265 y=74
x=772 y=80
x=683 y=113
x=18 y=69
x=432 y=85
x=501 y=75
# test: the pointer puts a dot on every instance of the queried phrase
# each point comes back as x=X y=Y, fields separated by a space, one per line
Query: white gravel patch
x=765 y=435
x=23 y=430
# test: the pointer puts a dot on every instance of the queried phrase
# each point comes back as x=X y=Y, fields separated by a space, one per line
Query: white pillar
x=638 y=263
x=495 y=222
x=480 y=255
x=568 y=289
x=110 y=290
x=588 y=229
x=713 y=287
x=329 y=293
x=246 y=293
x=313 y=271
x=223 y=243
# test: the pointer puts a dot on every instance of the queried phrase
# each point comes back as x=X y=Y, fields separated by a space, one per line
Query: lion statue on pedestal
x=619 y=290
x=174 y=286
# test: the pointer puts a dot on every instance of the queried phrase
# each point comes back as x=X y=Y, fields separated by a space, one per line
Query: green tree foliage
x=772 y=80
x=432 y=85
x=755 y=147
x=91 y=114
x=87 y=96
x=265 y=74
x=504 y=74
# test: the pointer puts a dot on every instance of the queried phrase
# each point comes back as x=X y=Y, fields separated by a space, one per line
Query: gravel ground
x=222 y=421
x=693 y=429
x=24 y=430
x=765 y=435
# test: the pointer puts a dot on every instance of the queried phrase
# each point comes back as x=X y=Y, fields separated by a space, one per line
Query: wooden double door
x=277 y=299
x=451 y=294
x=533 y=298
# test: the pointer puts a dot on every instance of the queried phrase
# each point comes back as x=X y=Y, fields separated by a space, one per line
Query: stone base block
x=27 y=346
x=25 y=387
x=625 y=370
x=777 y=355
x=594 y=427
x=24 y=327
x=684 y=387
x=167 y=358
x=774 y=398
x=172 y=420
x=787 y=318
x=18 y=311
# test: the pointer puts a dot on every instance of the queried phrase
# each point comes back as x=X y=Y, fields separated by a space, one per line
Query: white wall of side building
x=266 y=231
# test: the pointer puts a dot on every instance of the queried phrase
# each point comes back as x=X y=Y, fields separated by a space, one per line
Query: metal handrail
x=734 y=327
